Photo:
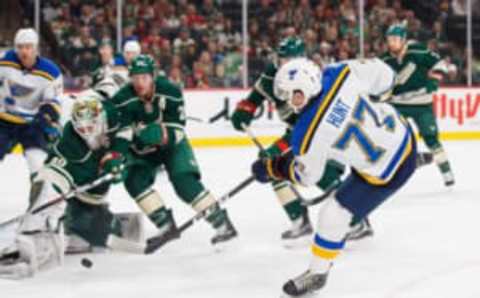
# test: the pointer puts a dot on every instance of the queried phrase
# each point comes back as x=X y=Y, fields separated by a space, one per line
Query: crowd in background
x=198 y=43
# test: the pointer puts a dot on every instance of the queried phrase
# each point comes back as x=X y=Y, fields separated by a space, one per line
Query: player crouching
x=337 y=121
x=81 y=157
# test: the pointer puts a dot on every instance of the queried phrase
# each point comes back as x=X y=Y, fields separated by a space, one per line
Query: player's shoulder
x=124 y=96
x=416 y=47
x=165 y=87
x=334 y=72
x=10 y=59
x=386 y=56
x=47 y=68
x=71 y=146
x=270 y=71
x=113 y=116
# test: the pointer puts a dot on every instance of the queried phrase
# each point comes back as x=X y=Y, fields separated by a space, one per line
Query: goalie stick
x=83 y=188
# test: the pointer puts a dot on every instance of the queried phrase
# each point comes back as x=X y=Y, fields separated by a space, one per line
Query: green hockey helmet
x=397 y=30
x=142 y=64
x=291 y=47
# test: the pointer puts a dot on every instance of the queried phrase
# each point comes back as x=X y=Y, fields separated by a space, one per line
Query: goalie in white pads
x=80 y=157
x=339 y=121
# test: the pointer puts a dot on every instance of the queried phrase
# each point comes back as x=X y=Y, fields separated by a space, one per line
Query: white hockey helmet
x=299 y=74
x=132 y=46
x=89 y=118
x=26 y=36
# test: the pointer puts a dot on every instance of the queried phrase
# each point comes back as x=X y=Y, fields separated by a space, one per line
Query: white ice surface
x=426 y=242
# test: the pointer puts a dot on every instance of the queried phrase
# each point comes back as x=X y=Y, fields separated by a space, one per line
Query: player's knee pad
x=333 y=221
x=149 y=202
x=205 y=200
x=48 y=185
x=187 y=186
x=440 y=156
x=284 y=192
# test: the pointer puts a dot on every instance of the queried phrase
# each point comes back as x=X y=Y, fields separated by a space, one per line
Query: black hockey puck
x=86 y=263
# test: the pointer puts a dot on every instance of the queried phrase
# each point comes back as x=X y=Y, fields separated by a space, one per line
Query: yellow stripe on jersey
x=377 y=181
x=42 y=74
x=10 y=64
x=12 y=118
x=322 y=109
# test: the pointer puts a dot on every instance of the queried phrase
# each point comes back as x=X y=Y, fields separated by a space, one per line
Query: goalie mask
x=297 y=81
x=89 y=120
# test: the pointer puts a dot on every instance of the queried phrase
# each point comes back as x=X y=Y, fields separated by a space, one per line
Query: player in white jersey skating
x=30 y=86
x=339 y=120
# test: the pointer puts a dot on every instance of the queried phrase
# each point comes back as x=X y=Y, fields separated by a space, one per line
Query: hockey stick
x=303 y=201
x=155 y=243
x=59 y=199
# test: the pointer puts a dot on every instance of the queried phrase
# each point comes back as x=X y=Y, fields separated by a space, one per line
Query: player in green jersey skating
x=419 y=71
x=153 y=120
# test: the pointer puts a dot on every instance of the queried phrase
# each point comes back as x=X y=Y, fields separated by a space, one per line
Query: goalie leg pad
x=131 y=224
x=37 y=252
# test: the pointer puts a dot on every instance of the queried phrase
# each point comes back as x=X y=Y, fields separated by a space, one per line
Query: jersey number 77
x=356 y=131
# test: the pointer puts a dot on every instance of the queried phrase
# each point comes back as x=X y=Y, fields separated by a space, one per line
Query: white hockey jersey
x=23 y=91
x=343 y=124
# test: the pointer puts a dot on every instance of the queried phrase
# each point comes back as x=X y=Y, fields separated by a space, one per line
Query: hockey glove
x=274 y=169
x=153 y=135
x=243 y=114
x=47 y=120
x=114 y=163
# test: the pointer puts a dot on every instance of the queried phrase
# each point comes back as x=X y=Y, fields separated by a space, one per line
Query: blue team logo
x=9 y=101
x=19 y=90
x=292 y=73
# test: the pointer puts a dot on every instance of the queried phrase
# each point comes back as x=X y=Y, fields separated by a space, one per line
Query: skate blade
x=225 y=246
x=309 y=295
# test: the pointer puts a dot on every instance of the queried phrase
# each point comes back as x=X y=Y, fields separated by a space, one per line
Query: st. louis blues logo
x=17 y=90
x=292 y=73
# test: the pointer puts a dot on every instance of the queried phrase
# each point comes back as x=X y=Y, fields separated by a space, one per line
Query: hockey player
x=108 y=79
x=131 y=49
x=418 y=72
x=338 y=121
x=29 y=107
x=289 y=48
x=81 y=156
x=110 y=65
x=152 y=112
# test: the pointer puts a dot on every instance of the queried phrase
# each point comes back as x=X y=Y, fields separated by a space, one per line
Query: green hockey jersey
x=78 y=163
x=413 y=85
x=166 y=107
x=263 y=90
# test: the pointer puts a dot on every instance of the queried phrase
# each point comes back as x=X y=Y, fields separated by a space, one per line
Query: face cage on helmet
x=91 y=127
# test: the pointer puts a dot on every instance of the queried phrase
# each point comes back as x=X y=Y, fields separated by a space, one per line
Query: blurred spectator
x=198 y=43
x=131 y=49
